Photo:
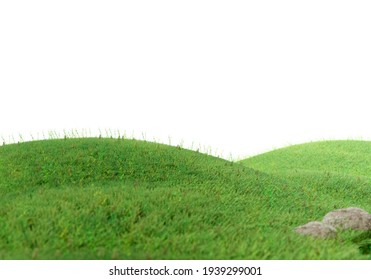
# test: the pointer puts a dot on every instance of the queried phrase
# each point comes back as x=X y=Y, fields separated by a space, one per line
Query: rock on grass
x=349 y=218
x=317 y=229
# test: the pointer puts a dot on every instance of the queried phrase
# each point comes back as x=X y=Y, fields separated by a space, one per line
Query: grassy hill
x=343 y=157
x=92 y=198
x=329 y=174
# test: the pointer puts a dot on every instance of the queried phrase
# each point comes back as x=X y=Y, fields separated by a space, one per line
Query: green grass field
x=101 y=198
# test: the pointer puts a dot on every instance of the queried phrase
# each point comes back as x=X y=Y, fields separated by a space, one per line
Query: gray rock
x=349 y=218
x=316 y=229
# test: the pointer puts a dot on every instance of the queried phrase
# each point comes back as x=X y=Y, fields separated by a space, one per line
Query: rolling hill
x=102 y=198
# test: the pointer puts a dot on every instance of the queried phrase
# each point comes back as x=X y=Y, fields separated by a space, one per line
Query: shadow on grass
x=364 y=242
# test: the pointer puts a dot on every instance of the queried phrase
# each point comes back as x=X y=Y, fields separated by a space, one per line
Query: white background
x=241 y=77
x=270 y=270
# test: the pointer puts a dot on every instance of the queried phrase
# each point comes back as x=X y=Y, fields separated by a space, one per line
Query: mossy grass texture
x=105 y=198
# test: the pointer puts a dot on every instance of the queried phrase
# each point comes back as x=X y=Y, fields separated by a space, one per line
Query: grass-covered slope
x=127 y=199
x=342 y=168
x=329 y=174
x=342 y=157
